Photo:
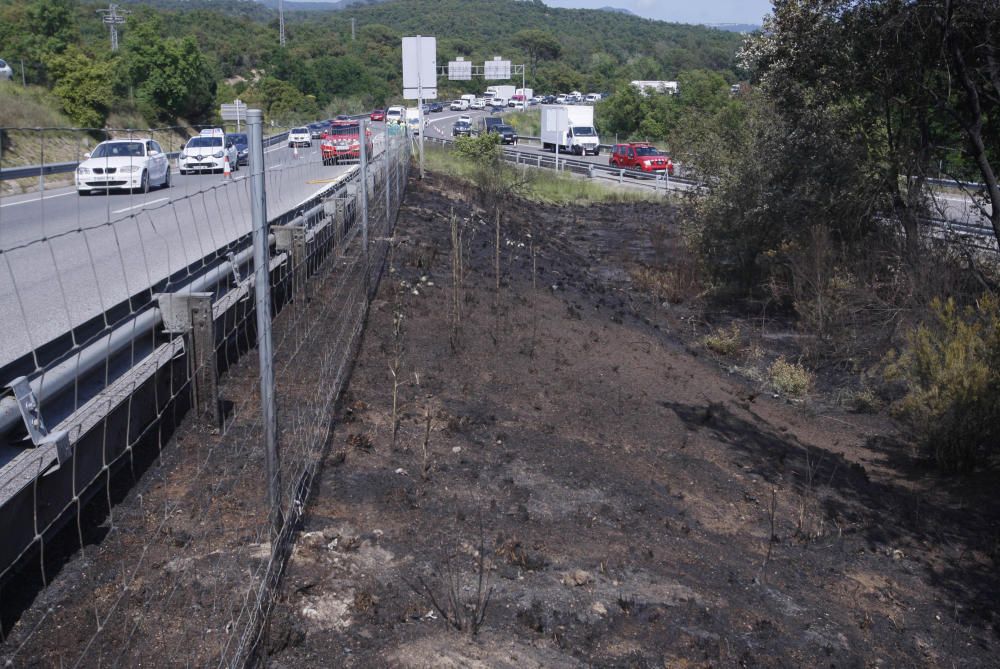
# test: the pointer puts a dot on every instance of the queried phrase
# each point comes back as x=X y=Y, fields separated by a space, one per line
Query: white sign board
x=420 y=68
x=496 y=69
x=234 y=112
x=459 y=70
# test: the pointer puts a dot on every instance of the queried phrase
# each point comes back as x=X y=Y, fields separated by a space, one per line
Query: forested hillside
x=178 y=60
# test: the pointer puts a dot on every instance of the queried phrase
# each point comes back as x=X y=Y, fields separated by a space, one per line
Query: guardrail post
x=262 y=295
x=291 y=239
x=590 y=171
x=621 y=176
x=191 y=315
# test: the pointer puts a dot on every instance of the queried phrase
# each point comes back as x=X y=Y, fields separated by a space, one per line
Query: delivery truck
x=504 y=92
x=571 y=128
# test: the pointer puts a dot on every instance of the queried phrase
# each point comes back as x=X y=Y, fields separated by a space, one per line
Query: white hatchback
x=208 y=151
x=133 y=164
x=299 y=137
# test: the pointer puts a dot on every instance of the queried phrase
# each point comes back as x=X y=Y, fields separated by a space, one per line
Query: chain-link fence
x=135 y=312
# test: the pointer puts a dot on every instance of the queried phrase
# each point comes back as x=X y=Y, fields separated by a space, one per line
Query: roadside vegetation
x=476 y=161
x=820 y=189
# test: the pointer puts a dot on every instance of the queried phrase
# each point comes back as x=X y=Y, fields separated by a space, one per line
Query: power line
x=113 y=17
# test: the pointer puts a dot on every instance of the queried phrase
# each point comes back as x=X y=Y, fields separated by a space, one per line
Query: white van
x=395 y=115
x=459 y=105
x=478 y=103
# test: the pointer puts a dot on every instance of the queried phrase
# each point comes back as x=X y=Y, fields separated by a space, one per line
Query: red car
x=340 y=143
x=640 y=156
x=377 y=115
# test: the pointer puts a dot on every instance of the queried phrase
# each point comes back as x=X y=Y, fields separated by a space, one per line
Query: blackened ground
x=567 y=454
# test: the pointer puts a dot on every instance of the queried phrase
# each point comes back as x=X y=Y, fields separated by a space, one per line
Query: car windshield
x=299 y=131
x=461 y=125
x=238 y=139
x=119 y=150
x=199 y=142
x=584 y=131
x=504 y=128
x=646 y=151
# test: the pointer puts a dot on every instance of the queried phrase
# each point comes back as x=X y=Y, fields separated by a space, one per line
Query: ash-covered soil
x=574 y=483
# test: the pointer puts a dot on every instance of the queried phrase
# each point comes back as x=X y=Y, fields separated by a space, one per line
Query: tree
x=539 y=45
x=83 y=86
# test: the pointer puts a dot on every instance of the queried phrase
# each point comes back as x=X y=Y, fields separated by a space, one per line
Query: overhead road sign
x=496 y=69
x=460 y=70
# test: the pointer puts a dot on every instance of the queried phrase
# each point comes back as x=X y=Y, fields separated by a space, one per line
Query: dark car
x=316 y=130
x=507 y=134
x=239 y=139
x=461 y=129
x=433 y=108
x=549 y=100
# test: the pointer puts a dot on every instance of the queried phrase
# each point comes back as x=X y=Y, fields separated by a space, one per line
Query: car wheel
x=83 y=193
x=183 y=172
x=143 y=183
x=166 y=179
x=597 y=152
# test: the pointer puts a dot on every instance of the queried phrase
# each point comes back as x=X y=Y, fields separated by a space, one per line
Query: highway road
x=65 y=258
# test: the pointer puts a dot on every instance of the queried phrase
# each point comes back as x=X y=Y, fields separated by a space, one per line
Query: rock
x=577 y=577
x=599 y=609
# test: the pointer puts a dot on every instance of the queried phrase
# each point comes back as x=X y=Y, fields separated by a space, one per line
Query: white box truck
x=413 y=120
x=528 y=93
x=571 y=128
x=504 y=92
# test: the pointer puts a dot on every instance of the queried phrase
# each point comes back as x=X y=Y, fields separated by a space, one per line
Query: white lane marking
x=274 y=167
x=36 y=199
x=274 y=148
x=140 y=206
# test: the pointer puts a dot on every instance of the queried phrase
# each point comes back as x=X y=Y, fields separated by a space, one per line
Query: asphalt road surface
x=65 y=258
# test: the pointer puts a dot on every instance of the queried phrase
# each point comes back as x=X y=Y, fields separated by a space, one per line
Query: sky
x=681 y=11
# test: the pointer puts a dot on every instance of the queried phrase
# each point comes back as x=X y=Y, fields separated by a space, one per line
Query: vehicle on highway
x=377 y=115
x=591 y=98
x=465 y=118
x=342 y=143
x=534 y=101
x=459 y=105
x=518 y=105
x=507 y=133
x=299 y=137
x=549 y=100
x=461 y=129
x=208 y=151
x=395 y=114
x=490 y=122
x=316 y=130
x=342 y=118
x=6 y=71
x=640 y=156
x=433 y=107
x=132 y=164
x=413 y=120
x=499 y=101
x=478 y=103
x=561 y=99
x=570 y=128
x=242 y=143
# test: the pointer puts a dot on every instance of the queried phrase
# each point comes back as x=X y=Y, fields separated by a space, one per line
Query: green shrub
x=724 y=341
x=790 y=378
x=951 y=371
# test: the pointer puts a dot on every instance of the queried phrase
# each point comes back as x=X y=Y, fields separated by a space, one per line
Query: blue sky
x=681 y=11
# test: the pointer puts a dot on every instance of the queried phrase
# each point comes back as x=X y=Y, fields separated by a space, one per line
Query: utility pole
x=352 y=29
x=113 y=17
x=281 y=23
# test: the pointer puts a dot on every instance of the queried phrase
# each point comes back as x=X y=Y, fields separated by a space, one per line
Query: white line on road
x=36 y=199
x=274 y=148
x=139 y=206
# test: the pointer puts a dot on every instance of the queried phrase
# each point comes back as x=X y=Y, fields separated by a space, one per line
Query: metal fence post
x=388 y=175
x=363 y=143
x=262 y=295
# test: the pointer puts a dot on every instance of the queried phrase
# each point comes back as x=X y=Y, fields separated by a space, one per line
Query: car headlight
x=131 y=168
x=218 y=154
x=83 y=170
x=647 y=163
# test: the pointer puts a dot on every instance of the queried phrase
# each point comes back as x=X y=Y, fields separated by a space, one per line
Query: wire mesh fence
x=155 y=305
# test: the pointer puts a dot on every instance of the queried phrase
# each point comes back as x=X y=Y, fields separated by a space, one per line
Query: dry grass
x=724 y=341
x=790 y=378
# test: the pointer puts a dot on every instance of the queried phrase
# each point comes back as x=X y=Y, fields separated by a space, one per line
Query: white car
x=395 y=114
x=518 y=105
x=299 y=137
x=133 y=164
x=208 y=151
x=459 y=105
x=6 y=72
x=464 y=118
x=478 y=103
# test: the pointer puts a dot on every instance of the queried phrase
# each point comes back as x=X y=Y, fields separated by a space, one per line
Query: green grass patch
x=545 y=186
